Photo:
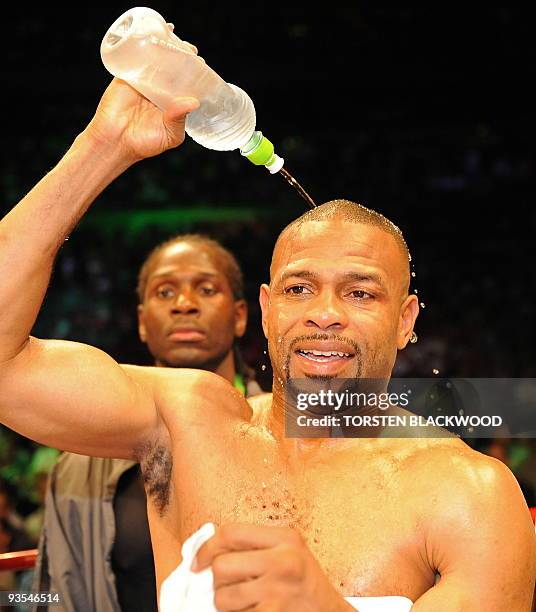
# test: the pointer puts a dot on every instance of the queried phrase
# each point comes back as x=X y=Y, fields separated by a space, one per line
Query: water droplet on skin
x=263 y=367
x=265 y=460
x=264 y=485
x=422 y=305
x=435 y=371
x=413 y=338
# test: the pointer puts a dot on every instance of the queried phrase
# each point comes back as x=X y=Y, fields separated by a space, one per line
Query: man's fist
x=265 y=568
x=126 y=118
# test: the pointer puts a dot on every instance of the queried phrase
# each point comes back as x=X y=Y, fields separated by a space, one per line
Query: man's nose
x=185 y=303
x=326 y=312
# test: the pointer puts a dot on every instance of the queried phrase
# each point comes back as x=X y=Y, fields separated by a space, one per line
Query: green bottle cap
x=260 y=151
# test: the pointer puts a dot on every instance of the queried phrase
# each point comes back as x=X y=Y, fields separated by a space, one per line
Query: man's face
x=189 y=317
x=337 y=303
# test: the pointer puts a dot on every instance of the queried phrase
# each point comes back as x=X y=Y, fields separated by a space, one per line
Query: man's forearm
x=34 y=230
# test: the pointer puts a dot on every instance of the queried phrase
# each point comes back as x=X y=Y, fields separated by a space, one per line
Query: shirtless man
x=304 y=523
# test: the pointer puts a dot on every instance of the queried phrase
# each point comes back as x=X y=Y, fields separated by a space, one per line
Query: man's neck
x=226 y=369
x=274 y=420
x=282 y=409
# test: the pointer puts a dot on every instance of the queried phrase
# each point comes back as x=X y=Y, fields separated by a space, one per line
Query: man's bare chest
x=349 y=515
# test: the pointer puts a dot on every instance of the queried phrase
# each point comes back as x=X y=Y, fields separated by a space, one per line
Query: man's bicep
x=479 y=589
x=485 y=547
x=75 y=397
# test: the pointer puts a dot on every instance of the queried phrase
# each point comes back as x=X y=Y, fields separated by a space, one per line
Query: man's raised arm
x=64 y=394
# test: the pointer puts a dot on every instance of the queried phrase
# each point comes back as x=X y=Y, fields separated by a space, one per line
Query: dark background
x=421 y=114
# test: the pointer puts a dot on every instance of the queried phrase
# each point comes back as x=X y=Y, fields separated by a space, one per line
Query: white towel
x=187 y=591
x=390 y=603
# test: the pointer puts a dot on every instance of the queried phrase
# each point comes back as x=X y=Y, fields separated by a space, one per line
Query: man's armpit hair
x=156 y=463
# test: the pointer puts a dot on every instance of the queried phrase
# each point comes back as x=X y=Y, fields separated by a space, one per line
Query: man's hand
x=141 y=128
x=265 y=568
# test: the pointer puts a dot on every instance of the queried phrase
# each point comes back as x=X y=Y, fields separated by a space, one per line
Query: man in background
x=95 y=548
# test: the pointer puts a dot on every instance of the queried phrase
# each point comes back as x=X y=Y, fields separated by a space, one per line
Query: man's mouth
x=186 y=335
x=323 y=356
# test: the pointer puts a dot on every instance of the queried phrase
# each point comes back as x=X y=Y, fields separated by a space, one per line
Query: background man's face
x=336 y=305
x=189 y=317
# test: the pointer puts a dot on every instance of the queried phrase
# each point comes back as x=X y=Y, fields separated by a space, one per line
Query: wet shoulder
x=452 y=455
x=450 y=476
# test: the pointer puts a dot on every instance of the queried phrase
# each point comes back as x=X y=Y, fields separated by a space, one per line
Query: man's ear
x=264 y=300
x=141 y=324
x=241 y=317
x=408 y=315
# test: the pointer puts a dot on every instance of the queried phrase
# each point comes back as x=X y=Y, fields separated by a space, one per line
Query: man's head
x=339 y=282
x=191 y=304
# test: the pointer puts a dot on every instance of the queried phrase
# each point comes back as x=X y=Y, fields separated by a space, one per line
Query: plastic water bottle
x=141 y=48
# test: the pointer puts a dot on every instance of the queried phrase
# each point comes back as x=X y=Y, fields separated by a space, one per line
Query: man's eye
x=164 y=292
x=360 y=294
x=297 y=290
x=207 y=290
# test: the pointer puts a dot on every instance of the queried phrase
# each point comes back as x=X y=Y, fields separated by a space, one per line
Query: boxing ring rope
x=25 y=559
x=19 y=560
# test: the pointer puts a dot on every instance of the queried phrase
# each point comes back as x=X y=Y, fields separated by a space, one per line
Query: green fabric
x=239 y=383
